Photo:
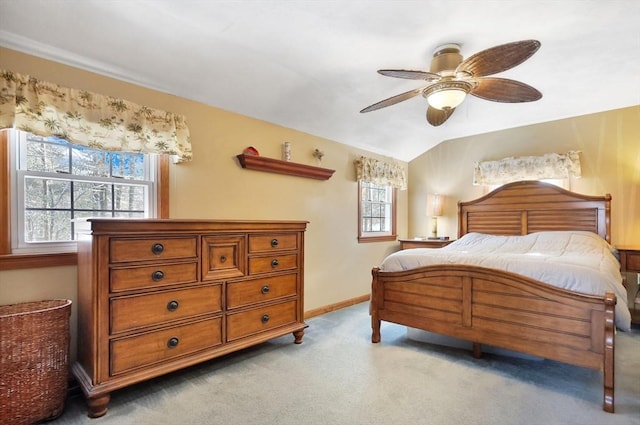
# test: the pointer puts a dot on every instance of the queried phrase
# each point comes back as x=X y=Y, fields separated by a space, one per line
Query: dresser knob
x=173 y=342
x=274 y=263
x=172 y=305
x=157 y=276
x=157 y=248
x=274 y=243
x=223 y=258
x=265 y=289
x=265 y=318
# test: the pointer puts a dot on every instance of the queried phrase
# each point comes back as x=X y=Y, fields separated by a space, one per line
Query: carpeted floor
x=338 y=377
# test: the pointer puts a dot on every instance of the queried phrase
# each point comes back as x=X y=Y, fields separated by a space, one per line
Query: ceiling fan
x=450 y=79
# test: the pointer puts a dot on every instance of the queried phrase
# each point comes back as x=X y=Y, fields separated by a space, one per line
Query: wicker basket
x=34 y=371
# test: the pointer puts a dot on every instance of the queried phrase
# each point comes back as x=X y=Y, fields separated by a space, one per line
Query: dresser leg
x=298 y=336
x=98 y=406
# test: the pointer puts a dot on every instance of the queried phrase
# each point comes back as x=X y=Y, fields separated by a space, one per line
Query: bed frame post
x=609 y=353
x=477 y=350
x=373 y=307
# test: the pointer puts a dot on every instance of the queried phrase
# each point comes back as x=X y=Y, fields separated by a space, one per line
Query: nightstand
x=423 y=243
x=630 y=263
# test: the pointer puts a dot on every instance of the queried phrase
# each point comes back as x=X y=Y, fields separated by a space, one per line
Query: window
x=377 y=212
x=53 y=186
x=57 y=185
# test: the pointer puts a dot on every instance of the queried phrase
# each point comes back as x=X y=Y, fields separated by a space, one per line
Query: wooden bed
x=503 y=309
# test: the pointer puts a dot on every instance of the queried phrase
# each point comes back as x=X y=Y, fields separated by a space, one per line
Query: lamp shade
x=447 y=94
x=434 y=205
x=446 y=99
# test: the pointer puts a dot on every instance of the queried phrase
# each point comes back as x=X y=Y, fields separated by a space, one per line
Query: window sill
x=32 y=261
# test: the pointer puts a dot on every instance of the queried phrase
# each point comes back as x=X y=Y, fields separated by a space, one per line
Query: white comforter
x=578 y=261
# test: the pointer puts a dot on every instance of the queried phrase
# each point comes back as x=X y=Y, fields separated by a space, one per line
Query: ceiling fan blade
x=437 y=117
x=393 y=100
x=409 y=74
x=504 y=90
x=499 y=58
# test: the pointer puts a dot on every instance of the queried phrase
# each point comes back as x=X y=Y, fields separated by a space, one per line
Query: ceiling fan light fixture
x=451 y=78
x=447 y=94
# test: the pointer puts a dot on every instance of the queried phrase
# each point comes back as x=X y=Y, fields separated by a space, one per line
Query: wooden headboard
x=525 y=207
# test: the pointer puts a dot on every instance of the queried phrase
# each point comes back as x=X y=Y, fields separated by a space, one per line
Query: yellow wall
x=213 y=185
x=610 y=157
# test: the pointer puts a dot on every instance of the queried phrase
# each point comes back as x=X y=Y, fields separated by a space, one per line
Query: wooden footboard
x=502 y=309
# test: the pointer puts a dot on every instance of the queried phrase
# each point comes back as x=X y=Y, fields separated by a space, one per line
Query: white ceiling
x=311 y=65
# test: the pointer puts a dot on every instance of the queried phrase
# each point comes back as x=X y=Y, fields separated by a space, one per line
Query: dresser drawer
x=273 y=263
x=154 y=347
x=223 y=257
x=272 y=242
x=633 y=261
x=257 y=290
x=260 y=319
x=145 y=249
x=127 y=278
x=144 y=310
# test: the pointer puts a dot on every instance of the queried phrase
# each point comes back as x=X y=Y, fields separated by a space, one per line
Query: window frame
x=9 y=260
x=365 y=238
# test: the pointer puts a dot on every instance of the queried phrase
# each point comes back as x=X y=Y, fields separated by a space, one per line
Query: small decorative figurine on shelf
x=286 y=151
x=251 y=151
x=318 y=154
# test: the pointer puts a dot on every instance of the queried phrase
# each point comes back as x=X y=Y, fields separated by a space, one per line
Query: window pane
x=46 y=193
x=384 y=210
x=374 y=195
x=90 y=162
x=48 y=157
x=366 y=209
x=80 y=215
x=124 y=214
x=128 y=165
x=47 y=226
x=129 y=197
x=92 y=196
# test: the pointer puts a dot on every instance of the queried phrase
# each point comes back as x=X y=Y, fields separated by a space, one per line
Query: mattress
x=582 y=262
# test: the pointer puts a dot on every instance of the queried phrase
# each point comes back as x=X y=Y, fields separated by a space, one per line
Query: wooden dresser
x=155 y=296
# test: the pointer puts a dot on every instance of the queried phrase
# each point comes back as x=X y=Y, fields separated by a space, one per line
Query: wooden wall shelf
x=260 y=163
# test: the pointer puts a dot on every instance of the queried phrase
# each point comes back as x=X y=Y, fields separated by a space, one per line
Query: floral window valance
x=381 y=172
x=90 y=119
x=548 y=166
